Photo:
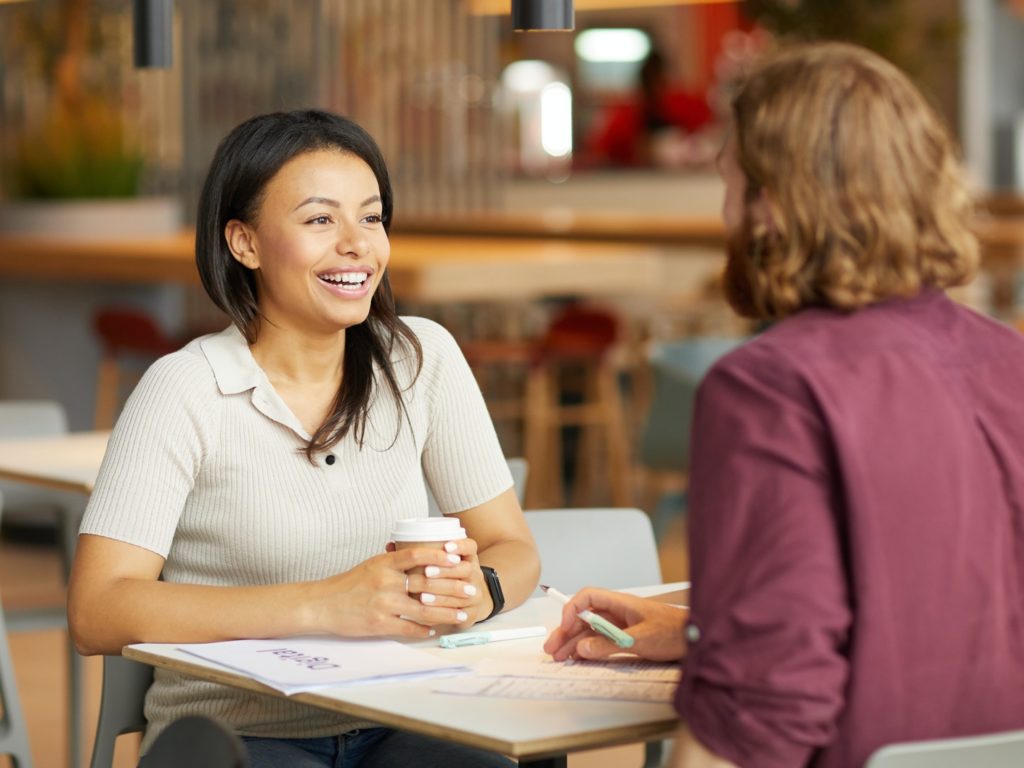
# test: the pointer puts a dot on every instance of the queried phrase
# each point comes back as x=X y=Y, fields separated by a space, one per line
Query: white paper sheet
x=295 y=664
x=620 y=678
x=541 y=688
x=617 y=669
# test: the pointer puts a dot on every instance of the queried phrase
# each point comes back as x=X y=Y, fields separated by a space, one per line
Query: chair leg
x=653 y=754
x=535 y=428
x=619 y=466
x=13 y=732
x=108 y=386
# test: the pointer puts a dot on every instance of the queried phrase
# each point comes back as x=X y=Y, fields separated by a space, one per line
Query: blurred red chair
x=126 y=336
x=573 y=358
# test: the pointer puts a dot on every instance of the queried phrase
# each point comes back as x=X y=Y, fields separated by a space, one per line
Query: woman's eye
x=320 y=220
x=373 y=218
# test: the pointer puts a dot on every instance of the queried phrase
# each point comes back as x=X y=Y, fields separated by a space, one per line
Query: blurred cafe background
x=557 y=208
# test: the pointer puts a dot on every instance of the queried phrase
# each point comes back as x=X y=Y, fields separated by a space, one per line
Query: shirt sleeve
x=462 y=458
x=154 y=455
x=765 y=672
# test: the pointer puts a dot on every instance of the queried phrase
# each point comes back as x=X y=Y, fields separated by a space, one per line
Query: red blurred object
x=575 y=347
x=124 y=333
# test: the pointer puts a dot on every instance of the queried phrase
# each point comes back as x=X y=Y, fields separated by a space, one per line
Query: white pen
x=461 y=639
x=599 y=624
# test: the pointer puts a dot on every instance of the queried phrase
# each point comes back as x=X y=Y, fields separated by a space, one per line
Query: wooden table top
x=530 y=729
x=64 y=462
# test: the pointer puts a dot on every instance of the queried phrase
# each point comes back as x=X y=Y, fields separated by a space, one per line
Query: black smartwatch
x=494 y=587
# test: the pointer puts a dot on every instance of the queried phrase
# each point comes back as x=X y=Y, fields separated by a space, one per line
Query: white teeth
x=346 y=278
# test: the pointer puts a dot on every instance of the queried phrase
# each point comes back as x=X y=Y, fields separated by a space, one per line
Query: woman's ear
x=241 y=240
x=763 y=213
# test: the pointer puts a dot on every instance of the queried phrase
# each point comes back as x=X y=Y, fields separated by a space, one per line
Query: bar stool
x=572 y=357
x=125 y=334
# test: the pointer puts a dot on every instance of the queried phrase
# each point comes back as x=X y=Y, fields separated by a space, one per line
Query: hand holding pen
x=655 y=628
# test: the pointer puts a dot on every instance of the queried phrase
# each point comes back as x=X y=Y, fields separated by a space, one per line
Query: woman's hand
x=373 y=599
x=458 y=584
x=656 y=628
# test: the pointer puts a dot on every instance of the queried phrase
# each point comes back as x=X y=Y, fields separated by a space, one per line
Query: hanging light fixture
x=542 y=15
x=152 y=24
x=500 y=7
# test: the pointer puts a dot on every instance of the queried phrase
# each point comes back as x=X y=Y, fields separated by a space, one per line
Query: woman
x=251 y=483
x=857 y=482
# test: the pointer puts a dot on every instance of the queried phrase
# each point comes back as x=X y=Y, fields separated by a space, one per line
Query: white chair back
x=992 y=750
x=612 y=548
x=125 y=683
x=605 y=547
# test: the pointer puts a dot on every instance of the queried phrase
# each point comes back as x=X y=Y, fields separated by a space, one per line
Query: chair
x=519 y=469
x=125 y=683
x=196 y=742
x=664 y=444
x=611 y=548
x=124 y=334
x=13 y=732
x=991 y=750
x=576 y=348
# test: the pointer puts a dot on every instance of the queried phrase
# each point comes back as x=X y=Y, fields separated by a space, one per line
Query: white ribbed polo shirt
x=205 y=467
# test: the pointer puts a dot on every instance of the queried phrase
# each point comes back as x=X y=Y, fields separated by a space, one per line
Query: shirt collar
x=237 y=371
x=233 y=364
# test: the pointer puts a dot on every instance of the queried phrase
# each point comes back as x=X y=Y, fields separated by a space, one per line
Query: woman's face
x=318 y=245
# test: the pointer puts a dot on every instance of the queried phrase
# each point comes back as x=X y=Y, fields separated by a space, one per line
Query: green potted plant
x=72 y=167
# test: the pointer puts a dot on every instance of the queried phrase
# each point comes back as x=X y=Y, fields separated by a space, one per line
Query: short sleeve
x=765 y=671
x=462 y=458
x=154 y=455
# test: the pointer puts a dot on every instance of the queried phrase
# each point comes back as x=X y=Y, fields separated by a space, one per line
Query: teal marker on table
x=462 y=639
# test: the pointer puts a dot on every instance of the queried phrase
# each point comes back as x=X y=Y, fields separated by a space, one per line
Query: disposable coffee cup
x=430 y=532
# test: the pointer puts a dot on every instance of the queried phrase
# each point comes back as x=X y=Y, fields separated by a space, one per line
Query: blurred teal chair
x=677 y=368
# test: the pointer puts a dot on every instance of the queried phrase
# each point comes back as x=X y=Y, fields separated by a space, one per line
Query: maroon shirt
x=857 y=536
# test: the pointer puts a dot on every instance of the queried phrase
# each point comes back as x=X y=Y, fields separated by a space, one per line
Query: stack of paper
x=295 y=664
x=619 y=679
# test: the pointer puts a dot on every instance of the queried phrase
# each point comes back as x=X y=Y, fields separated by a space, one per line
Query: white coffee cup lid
x=428 y=529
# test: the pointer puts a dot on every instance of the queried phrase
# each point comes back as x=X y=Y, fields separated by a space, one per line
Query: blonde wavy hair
x=862 y=180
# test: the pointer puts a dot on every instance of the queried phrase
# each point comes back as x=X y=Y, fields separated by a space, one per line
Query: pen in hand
x=599 y=624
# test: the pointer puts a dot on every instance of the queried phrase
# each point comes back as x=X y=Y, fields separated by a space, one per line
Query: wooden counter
x=604 y=256
x=564 y=224
x=423 y=267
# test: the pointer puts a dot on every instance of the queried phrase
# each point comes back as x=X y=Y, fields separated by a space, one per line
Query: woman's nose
x=351 y=239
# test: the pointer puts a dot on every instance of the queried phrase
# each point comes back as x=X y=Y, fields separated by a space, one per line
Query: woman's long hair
x=863 y=182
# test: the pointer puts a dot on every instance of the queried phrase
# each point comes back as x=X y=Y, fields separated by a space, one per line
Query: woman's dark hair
x=246 y=160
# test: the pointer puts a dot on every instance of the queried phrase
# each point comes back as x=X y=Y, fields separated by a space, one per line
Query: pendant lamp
x=152 y=24
x=542 y=15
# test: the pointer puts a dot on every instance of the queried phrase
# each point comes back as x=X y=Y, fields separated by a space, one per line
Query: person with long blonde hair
x=856 y=503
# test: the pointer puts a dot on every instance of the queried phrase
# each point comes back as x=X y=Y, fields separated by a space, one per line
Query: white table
x=67 y=463
x=537 y=732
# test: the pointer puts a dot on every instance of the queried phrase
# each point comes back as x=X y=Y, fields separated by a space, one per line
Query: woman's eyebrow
x=322 y=200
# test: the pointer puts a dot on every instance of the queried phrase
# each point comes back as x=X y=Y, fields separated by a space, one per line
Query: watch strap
x=494 y=587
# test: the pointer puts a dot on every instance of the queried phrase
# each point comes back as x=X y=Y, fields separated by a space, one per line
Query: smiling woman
x=252 y=482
